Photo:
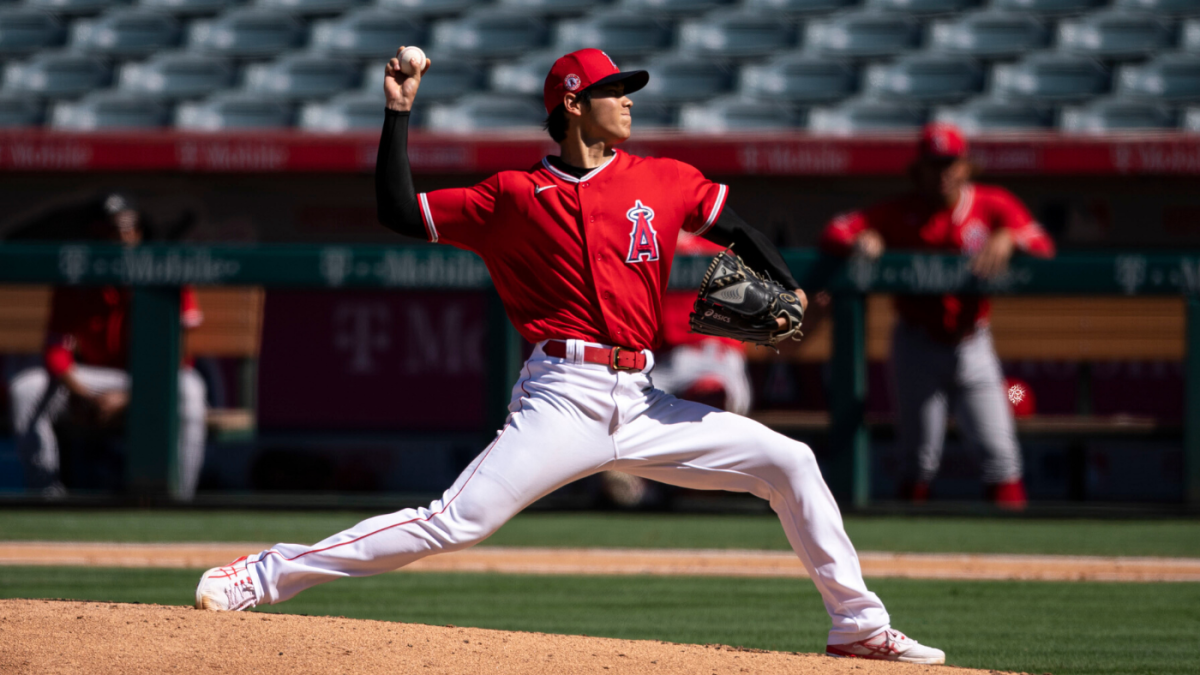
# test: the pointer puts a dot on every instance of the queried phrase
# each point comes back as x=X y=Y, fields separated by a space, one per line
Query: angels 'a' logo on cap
x=571 y=82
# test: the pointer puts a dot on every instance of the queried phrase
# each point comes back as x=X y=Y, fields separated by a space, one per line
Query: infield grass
x=1171 y=538
x=1036 y=627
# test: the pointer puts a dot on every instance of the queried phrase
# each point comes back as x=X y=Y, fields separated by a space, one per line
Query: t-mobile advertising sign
x=372 y=360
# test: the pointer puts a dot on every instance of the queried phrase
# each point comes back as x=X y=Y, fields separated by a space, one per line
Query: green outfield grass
x=1174 y=538
x=1036 y=627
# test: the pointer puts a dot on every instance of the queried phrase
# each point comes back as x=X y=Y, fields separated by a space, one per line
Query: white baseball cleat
x=227 y=589
x=890 y=645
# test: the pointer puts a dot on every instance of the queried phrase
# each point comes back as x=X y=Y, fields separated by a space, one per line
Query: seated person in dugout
x=84 y=370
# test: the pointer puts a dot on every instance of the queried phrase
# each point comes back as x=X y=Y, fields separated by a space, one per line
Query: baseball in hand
x=406 y=58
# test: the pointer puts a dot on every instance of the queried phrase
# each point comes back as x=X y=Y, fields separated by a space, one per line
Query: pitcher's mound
x=61 y=636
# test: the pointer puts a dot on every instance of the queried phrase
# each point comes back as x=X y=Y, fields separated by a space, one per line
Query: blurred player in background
x=697 y=367
x=85 y=355
x=943 y=358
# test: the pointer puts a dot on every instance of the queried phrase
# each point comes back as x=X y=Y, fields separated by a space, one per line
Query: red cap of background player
x=940 y=139
x=587 y=68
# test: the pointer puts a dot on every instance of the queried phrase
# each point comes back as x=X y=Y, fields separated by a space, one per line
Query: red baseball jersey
x=579 y=258
x=677 y=305
x=90 y=325
x=910 y=222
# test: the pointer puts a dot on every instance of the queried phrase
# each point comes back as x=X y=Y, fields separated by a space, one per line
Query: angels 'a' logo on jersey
x=974 y=236
x=643 y=240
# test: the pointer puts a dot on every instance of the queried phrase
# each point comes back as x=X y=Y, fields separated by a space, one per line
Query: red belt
x=617 y=358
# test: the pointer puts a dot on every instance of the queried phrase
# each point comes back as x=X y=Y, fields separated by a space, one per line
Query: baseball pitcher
x=580 y=248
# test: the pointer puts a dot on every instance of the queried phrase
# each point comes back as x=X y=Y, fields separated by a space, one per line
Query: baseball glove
x=737 y=302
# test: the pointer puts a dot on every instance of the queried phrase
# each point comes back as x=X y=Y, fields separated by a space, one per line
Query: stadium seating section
x=718 y=66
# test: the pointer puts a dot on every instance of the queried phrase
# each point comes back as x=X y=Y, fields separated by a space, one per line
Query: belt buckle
x=616 y=351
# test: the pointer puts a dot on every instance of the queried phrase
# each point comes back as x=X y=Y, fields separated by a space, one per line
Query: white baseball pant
x=38 y=401
x=570 y=419
x=931 y=379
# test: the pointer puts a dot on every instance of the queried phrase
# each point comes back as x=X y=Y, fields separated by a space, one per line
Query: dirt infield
x=639 y=561
x=60 y=636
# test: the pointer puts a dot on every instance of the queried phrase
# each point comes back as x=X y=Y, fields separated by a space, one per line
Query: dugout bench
x=157 y=271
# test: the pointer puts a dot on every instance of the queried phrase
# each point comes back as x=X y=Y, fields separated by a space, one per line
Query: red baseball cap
x=587 y=68
x=940 y=139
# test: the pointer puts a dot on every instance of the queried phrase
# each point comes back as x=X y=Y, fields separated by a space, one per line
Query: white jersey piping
x=429 y=226
x=571 y=179
x=718 y=205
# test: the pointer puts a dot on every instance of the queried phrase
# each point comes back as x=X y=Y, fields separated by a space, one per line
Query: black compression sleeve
x=395 y=196
x=753 y=246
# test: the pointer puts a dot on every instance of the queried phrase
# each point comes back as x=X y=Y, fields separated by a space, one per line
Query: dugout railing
x=156 y=272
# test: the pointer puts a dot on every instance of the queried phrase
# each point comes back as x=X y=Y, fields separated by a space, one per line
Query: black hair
x=556 y=121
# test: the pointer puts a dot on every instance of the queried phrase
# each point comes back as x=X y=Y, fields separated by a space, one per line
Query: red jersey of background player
x=91 y=325
x=912 y=222
x=579 y=258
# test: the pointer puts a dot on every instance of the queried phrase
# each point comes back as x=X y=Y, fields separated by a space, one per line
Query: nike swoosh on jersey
x=538 y=189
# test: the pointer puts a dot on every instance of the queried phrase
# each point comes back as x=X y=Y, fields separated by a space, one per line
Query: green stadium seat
x=674 y=7
x=246 y=33
x=863 y=34
x=1056 y=7
x=1169 y=77
x=190 y=8
x=799 y=7
x=177 y=75
x=736 y=34
x=20 y=110
x=302 y=76
x=677 y=78
x=1050 y=76
x=75 y=7
x=108 y=110
x=369 y=32
x=925 y=77
x=800 y=78
x=865 y=116
x=1191 y=120
x=735 y=114
x=618 y=33
x=1161 y=7
x=57 y=74
x=923 y=6
x=348 y=112
x=486 y=113
x=555 y=8
x=308 y=7
x=986 y=115
x=234 y=110
x=489 y=33
x=989 y=34
x=126 y=32
x=1115 y=34
x=651 y=115
x=525 y=75
x=426 y=9
x=455 y=77
x=24 y=31
x=1117 y=114
x=1189 y=35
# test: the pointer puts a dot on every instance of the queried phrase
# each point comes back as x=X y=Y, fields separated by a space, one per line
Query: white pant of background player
x=38 y=401
x=688 y=364
x=933 y=379
x=570 y=419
